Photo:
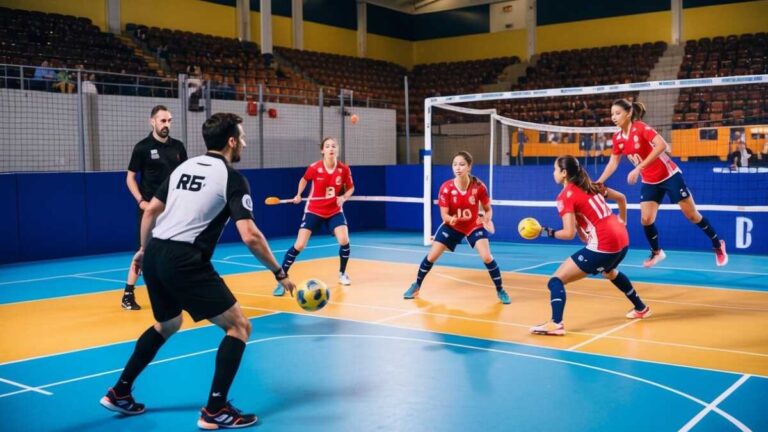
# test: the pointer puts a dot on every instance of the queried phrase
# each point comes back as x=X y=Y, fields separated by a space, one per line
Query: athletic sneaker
x=344 y=279
x=549 y=328
x=122 y=404
x=655 y=258
x=228 y=417
x=279 y=290
x=129 y=301
x=412 y=291
x=503 y=296
x=721 y=257
x=636 y=314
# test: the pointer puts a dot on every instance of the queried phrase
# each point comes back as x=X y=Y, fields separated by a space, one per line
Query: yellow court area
x=692 y=326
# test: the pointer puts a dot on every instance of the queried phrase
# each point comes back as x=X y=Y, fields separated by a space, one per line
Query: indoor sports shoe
x=344 y=279
x=122 y=404
x=279 y=290
x=412 y=292
x=721 y=257
x=655 y=258
x=635 y=314
x=503 y=296
x=228 y=417
x=129 y=301
x=549 y=328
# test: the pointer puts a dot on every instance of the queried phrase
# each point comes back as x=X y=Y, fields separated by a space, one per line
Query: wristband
x=280 y=274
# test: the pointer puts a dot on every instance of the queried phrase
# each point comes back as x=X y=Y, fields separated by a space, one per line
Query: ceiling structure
x=427 y=6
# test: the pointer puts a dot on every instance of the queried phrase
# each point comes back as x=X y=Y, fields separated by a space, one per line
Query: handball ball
x=354 y=118
x=529 y=228
x=312 y=295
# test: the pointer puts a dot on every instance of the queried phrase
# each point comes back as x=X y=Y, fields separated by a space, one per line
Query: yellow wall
x=282 y=32
x=94 y=9
x=630 y=29
x=722 y=20
x=390 y=49
x=188 y=15
x=323 y=38
x=470 y=47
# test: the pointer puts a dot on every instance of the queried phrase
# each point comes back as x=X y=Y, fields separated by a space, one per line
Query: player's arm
x=621 y=200
x=567 y=233
x=300 y=190
x=345 y=196
x=487 y=212
x=257 y=244
x=133 y=187
x=613 y=163
x=447 y=218
x=659 y=147
x=151 y=211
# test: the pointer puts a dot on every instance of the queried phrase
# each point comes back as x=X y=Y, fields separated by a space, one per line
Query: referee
x=154 y=158
x=191 y=209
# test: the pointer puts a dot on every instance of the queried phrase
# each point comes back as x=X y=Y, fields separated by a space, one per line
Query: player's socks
x=343 y=258
x=289 y=258
x=146 y=349
x=493 y=270
x=424 y=268
x=652 y=234
x=624 y=285
x=557 y=299
x=227 y=362
x=709 y=231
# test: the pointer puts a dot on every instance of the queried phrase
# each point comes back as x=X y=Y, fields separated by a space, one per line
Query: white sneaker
x=344 y=279
x=654 y=258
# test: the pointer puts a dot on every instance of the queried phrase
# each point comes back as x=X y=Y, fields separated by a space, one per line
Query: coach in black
x=154 y=158
x=191 y=209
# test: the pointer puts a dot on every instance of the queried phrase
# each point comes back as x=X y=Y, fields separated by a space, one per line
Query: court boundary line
x=675 y=391
x=603 y=334
x=712 y=405
x=26 y=387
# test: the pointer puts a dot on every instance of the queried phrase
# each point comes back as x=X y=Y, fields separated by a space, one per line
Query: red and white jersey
x=637 y=146
x=603 y=230
x=326 y=184
x=463 y=204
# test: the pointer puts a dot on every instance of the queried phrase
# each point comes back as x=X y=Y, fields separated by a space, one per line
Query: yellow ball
x=529 y=228
x=312 y=295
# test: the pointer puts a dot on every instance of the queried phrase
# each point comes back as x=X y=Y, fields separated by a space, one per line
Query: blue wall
x=53 y=215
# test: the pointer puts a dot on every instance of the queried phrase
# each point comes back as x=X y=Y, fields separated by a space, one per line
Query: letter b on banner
x=743 y=232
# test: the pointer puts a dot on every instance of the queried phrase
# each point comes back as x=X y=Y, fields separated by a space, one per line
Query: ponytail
x=636 y=108
x=576 y=174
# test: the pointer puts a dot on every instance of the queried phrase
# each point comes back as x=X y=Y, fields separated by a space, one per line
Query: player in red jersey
x=458 y=200
x=331 y=186
x=645 y=148
x=582 y=207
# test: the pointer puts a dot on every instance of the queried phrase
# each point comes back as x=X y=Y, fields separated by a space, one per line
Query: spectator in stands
x=742 y=157
x=88 y=85
x=521 y=140
x=43 y=76
x=736 y=138
x=763 y=155
x=194 y=79
x=64 y=81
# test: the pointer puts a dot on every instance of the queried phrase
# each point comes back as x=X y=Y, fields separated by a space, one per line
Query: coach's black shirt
x=200 y=197
x=155 y=161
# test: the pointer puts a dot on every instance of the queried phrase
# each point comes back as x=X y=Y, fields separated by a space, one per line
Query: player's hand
x=288 y=285
x=583 y=235
x=452 y=221
x=632 y=176
x=547 y=232
x=602 y=189
x=138 y=261
x=297 y=199
x=621 y=221
x=143 y=205
x=340 y=200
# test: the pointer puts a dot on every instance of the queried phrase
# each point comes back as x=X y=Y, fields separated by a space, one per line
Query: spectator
x=43 y=76
x=736 y=138
x=88 y=85
x=64 y=82
x=763 y=155
x=521 y=140
x=742 y=157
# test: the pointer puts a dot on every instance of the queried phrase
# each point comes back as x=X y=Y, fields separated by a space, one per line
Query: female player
x=645 y=148
x=328 y=176
x=458 y=202
x=582 y=206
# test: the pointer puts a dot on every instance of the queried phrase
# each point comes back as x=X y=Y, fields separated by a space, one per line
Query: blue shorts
x=674 y=187
x=450 y=237
x=314 y=222
x=592 y=262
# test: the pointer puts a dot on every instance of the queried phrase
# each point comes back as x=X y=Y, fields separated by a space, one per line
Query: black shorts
x=179 y=278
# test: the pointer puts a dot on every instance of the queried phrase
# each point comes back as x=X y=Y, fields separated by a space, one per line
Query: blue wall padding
x=9 y=219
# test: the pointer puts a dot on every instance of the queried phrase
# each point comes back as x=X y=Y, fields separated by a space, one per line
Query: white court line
x=506 y=323
x=99 y=279
x=402 y=315
x=602 y=335
x=698 y=270
x=711 y=406
x=724 y=414
x=281 y=250
x=26 y=387
x=64 y=276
